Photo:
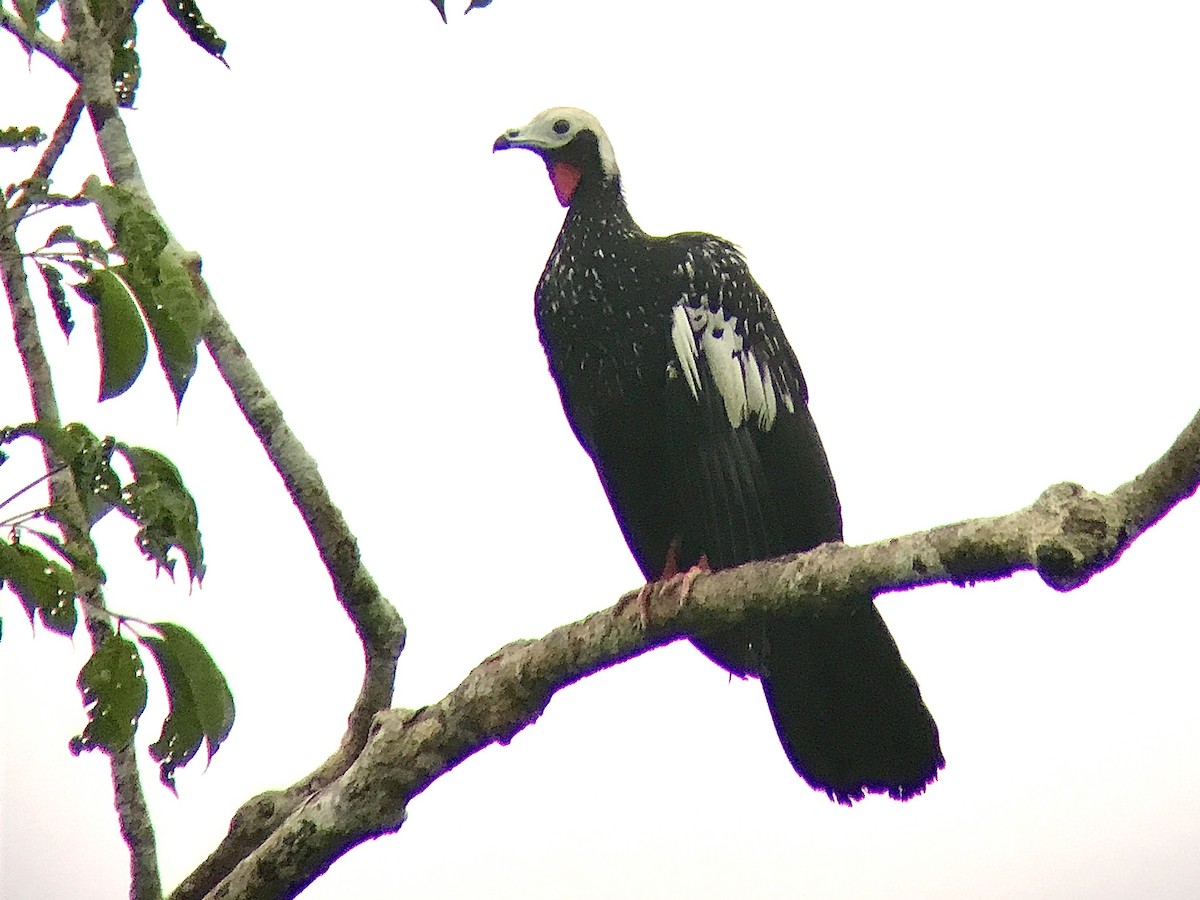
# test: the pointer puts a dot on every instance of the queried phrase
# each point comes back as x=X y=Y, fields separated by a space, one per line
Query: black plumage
x=678 y=381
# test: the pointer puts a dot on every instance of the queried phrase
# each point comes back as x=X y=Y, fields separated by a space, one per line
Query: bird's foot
x=685 y=579
x=672 y=580
x=641 y=601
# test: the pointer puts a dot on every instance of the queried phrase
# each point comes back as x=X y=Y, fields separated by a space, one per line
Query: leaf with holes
x=201 y=705
x=113 y=684
x=90 y=460
x=176 y=318
x=163 y=509
x=58 y=298
x=14 y=138
x=88 y=457
x=190 y=19
x=44 y=586
x=120 y=334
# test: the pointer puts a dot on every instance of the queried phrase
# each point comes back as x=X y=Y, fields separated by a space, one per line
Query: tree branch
x=39 y=41
x=379 y=625
x=1067 y=535
x=146 y=883
x=58 y=143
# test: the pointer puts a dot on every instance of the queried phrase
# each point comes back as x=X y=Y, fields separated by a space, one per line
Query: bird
x=678 y=381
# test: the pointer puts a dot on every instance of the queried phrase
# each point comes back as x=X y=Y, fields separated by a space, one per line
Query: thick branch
x=1067 y=536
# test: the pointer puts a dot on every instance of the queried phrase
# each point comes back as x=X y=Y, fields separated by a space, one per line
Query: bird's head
x=571 y=143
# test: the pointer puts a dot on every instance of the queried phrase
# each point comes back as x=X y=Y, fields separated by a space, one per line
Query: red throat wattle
x=565 y=178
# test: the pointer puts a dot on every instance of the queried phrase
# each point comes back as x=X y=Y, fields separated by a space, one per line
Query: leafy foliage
x=191 y=20
x=164 y=510
x=83 y=256
x=126 y=67
x=113 y=681
x=113 y=684
x=201 y=705
x=15 y=138
x=52 y=278
x=44 y=586
x=115 y=18
x=157 y=280
x=90 y=461
x=120 y=334
x=156 y=500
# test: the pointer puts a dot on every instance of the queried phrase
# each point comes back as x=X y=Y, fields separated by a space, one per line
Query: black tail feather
x=847 y=709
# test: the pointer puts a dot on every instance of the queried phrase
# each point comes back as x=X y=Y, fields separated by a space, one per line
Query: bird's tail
x=847 y=709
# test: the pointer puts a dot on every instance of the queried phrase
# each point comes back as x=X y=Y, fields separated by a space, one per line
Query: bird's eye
x=562 y=126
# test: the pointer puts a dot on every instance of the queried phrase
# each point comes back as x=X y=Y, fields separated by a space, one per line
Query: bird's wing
x=722 y=319
x=758 y=484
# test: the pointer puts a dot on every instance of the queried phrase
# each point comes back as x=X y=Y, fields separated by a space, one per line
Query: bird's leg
x=643 y=603
x=670 y=578
x=668 y=575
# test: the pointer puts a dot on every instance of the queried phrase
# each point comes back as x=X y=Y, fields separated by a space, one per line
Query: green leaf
x=88 y=457
x=93 y=251
x=14 y=138
x=44 y=586
x=29 y=14
x=81 y=268
x=113 y=684
x=63 y=234
x=164 y=510
x=176 y=318
x=162 y=286
x=58 y=298
x=90 y=460
x=120 y=334
x=201 y=705
x=140 y=238
x=190 y=19
x=126 y=71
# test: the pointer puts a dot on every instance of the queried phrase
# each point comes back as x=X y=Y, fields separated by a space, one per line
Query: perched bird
x=679 y=383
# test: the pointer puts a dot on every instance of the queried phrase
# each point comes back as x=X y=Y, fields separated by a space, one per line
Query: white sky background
x=979 y=226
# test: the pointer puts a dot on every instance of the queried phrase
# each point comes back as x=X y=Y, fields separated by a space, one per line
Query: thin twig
x=58 y=143
x=39 y=40
x=9 y=499
x=21 y=518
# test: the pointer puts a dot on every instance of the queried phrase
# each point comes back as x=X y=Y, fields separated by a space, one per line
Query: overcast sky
x=979 y=226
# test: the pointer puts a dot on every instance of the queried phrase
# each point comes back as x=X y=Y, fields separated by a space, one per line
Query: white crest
x=556 y=127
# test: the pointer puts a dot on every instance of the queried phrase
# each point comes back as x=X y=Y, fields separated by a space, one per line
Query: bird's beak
x=512 y=138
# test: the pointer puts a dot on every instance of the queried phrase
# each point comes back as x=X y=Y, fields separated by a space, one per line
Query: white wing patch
x=685 y=349
x=745 y=384
x=722 y=348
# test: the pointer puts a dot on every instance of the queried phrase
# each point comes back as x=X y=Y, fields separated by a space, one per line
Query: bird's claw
x=680 y=582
